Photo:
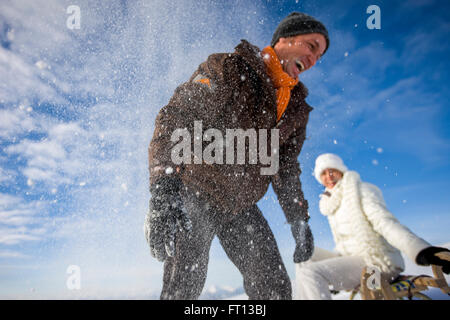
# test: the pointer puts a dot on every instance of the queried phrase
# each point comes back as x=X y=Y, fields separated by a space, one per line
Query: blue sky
x=77 y=110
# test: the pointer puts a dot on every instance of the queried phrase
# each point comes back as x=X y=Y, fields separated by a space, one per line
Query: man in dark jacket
x=244 y=94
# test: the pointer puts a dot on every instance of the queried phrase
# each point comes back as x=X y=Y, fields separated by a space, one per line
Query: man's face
x=299 y=53
x=330 y=177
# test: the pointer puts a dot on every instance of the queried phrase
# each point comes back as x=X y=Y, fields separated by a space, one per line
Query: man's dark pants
x=248 y=242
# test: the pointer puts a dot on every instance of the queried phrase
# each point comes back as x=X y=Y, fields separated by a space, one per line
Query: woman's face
x=330 y=177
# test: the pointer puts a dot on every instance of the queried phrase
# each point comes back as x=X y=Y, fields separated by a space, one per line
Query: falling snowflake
x=169 y=170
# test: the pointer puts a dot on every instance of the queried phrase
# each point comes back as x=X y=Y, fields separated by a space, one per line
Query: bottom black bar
x=216 y=309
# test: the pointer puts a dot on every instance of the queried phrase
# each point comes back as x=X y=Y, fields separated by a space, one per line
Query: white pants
x=325 y=268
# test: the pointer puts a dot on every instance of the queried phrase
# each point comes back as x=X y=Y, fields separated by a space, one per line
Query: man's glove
x=304 y=240
x=427 y=256
x=165 y=218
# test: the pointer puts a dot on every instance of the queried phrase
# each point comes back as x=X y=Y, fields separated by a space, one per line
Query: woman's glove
x=427 y=256
x=166 y=217
x=304 y=240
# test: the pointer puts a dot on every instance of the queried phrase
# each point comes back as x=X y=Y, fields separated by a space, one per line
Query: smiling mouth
x=299 y=65
x=332 y=182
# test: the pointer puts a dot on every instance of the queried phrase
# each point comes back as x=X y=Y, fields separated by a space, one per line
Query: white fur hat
x=328 y=161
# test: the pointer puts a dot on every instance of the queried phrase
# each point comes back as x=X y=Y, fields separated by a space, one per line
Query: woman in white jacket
x=364 y=231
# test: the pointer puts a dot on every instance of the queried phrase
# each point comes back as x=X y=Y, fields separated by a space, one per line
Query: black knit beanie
x=299 y=23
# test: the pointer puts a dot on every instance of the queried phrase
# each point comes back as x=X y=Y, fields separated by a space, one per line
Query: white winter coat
x=362 y=226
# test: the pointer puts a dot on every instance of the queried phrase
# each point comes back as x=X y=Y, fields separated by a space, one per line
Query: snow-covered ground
x=223 y=293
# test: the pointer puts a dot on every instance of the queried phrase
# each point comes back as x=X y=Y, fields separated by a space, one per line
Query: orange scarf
x=282 y=81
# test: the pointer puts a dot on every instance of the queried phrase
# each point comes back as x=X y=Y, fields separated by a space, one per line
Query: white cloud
x=12 y=254
x=15 y=122
x=21 y=220
x=11 y=236
x=6 y=176
x=45 y=148
x=7 y=200
x=23 y=80
x=65 y=131
x=42 y=159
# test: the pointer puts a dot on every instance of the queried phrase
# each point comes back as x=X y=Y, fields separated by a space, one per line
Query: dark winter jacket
x=239 y=95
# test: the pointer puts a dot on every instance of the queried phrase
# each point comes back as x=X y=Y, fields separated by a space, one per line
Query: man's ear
x=280 y=42
x=283 y=40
